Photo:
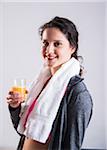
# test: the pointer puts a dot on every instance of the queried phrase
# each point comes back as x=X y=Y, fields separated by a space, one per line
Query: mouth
x=51 y=58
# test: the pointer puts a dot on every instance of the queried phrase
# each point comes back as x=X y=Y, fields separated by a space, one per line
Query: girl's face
x=56 y=49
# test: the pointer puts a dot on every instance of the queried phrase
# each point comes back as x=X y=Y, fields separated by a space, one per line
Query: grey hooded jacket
x=72 y=119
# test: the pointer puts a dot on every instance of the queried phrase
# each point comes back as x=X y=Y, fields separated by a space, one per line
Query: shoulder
x=77 y=84
x=78 y=92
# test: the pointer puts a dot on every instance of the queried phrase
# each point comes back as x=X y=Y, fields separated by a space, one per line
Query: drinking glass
x=19 y=86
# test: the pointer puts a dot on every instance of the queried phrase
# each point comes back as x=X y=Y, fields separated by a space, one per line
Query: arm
x=14 y=114
x=78 y=116
x=14 y=101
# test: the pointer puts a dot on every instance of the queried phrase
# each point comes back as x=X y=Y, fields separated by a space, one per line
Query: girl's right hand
x=14 y=99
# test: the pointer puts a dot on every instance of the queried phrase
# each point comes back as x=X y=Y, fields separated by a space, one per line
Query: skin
x=56 y=50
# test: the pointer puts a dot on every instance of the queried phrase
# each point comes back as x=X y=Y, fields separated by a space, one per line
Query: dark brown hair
x=69 y=29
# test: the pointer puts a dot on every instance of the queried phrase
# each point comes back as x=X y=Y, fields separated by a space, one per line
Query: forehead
x=53 y=34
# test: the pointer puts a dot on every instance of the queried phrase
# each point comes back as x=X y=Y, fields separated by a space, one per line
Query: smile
x=51 y=58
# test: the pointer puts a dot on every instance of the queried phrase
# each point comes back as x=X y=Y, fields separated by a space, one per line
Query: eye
x=45 y=43
x=57 y=44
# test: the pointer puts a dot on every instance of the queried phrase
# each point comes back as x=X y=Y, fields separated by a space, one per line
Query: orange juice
x=20 y=87
x=20 y=90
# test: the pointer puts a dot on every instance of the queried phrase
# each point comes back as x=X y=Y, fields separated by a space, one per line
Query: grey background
x=20 y=56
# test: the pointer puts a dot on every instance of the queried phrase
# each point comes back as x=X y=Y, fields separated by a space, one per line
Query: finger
x=10 y=101
x=13 y=99
x=15 y=95
x=9 y=97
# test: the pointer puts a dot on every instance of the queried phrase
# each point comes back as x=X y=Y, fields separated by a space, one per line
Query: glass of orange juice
x=20 y=87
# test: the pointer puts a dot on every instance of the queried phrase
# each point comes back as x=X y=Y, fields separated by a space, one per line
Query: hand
x=14 y=99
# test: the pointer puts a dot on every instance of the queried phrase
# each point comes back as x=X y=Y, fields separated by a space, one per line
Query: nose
x=50 y=49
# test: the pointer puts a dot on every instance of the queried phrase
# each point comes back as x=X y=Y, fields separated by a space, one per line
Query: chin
x=51 y=65
x=54 y=65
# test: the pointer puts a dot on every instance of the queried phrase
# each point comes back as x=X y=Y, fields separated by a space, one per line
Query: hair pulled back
x=68 y=28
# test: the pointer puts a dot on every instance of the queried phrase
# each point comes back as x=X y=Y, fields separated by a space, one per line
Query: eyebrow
x=45 y=40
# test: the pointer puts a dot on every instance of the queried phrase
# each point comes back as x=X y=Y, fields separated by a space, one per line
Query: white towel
x=40 y=121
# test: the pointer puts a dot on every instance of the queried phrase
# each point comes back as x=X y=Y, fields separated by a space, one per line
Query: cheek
x=44 y=52
x=65 y=54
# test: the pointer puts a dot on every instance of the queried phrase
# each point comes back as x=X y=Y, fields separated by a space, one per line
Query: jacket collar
x=74 y=80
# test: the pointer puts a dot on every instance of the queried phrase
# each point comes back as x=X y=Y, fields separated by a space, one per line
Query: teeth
x=51 y=57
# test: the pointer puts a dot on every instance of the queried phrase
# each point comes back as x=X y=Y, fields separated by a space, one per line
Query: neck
x=54 y=69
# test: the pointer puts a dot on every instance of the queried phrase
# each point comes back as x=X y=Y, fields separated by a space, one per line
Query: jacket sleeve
x=14 y=114
x=78 y=117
